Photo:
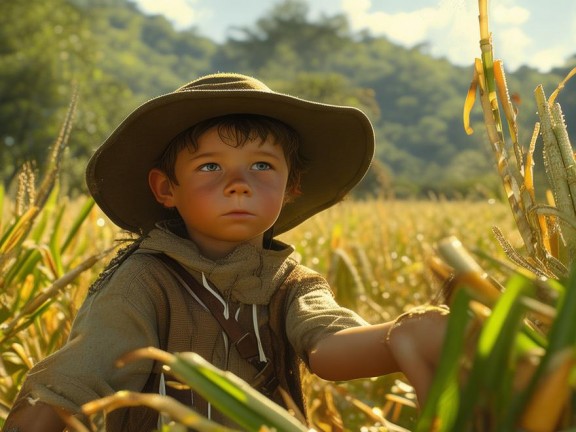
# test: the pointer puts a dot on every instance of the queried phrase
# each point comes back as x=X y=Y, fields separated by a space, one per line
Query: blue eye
x=210 y=167
x=262 y=166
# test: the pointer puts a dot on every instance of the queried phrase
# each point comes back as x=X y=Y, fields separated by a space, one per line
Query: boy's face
x=228 y=195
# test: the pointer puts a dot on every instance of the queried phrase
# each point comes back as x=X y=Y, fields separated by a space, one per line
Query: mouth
x=238 y=213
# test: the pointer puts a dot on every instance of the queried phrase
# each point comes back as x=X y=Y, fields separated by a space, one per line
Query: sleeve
x=313 y=313
x=120 y=317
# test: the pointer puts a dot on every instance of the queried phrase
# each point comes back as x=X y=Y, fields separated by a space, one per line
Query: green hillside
x=117 y=57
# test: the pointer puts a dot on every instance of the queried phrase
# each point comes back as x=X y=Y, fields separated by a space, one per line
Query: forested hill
x=119 y=58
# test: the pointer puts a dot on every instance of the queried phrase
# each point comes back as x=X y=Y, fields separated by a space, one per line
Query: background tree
x=118 y=58
x=42 y=50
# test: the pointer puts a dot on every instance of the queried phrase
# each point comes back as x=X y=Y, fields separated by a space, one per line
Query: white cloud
x=511 y=45
x=458 y=38
x=182 y=13
x=509 y=15
x=451 y=30
x=552 y=56
x=571 y=29
x=446 y=27
x=511 y=42
x=407 y=28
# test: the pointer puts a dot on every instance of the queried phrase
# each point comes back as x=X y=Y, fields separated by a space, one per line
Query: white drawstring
x=215 y=294
x=262 y=356
x=163 y=419
x=162 y=389
x=226 y=315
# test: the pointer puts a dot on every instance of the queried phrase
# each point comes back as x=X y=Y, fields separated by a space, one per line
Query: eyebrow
x=211 y=154
x=270 y=154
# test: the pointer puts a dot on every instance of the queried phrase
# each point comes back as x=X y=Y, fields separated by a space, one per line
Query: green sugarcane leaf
x=231 y=395
x=563 y=331
x=80 y=218
x=55 y=250
x=491 y=375
x=17 y=231
x=562 y=335
x=443 y=399
x=502 y=328
x=2 y=197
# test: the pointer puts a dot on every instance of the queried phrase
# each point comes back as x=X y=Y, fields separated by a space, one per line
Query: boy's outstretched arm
x=34 y=418
x=411 y=344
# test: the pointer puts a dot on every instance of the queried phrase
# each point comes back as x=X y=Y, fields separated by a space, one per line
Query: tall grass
x=48 y=247
x=387 y=246
x=381 y=260
x=378 y=256
x=508 y=363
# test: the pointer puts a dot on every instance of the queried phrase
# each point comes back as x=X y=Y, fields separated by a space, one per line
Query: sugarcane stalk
x=560 y=167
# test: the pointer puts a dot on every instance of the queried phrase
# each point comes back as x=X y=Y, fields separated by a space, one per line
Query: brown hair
x=236 y=130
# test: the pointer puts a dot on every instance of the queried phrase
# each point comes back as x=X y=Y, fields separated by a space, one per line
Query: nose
x=238 y=186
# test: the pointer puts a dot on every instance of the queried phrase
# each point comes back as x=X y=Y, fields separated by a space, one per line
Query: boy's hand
x=416 y=339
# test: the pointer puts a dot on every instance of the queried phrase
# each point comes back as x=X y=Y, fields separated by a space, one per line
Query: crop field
x=376 y=254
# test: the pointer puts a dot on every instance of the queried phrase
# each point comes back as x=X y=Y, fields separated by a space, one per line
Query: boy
x=207 y=175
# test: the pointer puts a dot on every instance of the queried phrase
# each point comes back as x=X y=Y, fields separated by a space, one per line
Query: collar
x=247 y=275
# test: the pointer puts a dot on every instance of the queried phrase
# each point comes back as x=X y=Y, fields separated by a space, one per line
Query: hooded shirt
x=142 y=299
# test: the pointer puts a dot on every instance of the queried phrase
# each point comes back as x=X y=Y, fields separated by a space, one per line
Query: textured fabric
x=124 y=315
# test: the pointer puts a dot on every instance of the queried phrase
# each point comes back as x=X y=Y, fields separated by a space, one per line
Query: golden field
x=374 y=252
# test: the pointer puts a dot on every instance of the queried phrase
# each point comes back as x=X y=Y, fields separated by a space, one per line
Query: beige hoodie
x=124 y=313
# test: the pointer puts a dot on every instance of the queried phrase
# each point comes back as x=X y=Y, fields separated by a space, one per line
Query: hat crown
x=225 y=81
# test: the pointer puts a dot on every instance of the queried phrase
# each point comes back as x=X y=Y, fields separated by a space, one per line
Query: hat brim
x=337 y=143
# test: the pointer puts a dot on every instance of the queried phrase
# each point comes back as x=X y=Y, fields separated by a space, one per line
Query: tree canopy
x=116 y=57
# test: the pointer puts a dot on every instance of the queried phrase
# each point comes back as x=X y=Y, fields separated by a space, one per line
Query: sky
x=537 y=33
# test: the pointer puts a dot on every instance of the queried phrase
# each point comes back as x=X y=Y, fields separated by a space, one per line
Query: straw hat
x=337 y=143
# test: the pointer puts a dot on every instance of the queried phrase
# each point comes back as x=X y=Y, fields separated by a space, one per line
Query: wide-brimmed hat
x=337 y=143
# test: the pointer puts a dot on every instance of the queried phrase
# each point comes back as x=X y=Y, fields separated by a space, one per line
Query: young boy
x=207 y=175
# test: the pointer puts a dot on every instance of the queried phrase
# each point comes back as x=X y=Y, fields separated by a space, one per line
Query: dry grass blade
x=13 y=239
x=508 y=108
x=13 y=326
x=561 y=86
x=165 y=404
x=539 y=269
x=367 y=410
x=57 y=152
x=469 y=102
x=550 y=398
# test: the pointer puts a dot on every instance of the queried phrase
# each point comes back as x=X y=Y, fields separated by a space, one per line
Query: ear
x=291 y=194
x=161 y=187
